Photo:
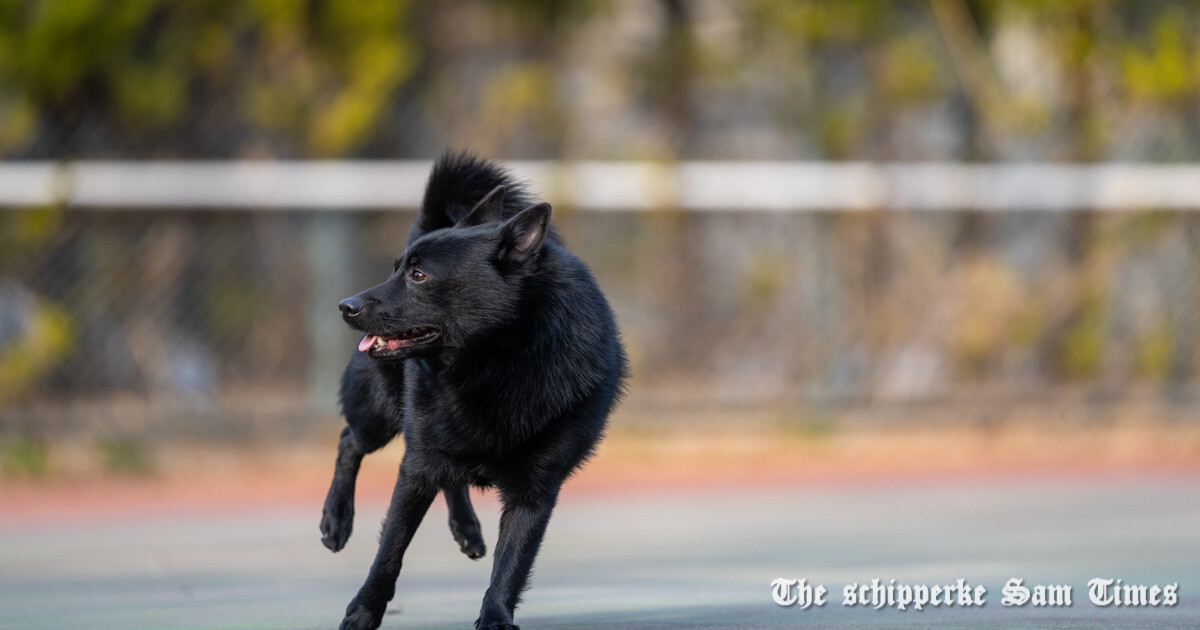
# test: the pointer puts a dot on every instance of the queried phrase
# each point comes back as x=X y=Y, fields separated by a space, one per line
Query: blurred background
x=151 y=326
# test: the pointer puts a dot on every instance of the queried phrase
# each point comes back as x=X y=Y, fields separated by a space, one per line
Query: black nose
x=351 y=306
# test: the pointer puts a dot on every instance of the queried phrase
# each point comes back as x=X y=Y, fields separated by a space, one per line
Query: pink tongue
x=366 y=343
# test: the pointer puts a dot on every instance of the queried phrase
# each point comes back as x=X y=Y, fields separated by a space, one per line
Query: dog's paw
x=337 y=521
x=496 y=626
x=360 y=618
x=469 y=539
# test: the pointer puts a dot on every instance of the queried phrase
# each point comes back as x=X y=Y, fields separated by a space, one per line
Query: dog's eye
x=418 y=276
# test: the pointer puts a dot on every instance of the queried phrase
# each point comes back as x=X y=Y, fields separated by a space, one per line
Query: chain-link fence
x=156 y=317
x=224 y=323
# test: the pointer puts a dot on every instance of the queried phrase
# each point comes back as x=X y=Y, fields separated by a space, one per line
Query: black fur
x=514 y=365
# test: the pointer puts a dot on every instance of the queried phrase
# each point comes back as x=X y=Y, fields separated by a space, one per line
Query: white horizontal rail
x=619 y=186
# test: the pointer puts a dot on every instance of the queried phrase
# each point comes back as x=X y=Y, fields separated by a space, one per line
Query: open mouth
x=384 y=345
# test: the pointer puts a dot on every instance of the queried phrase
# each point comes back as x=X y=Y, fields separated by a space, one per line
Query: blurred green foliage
x=26 y=229
x=320 y=73
x=24 y=457
x=324 y=78
x=123 y=456
x=1166 y=66
x=46 y=340
x=1152 y=361
x=1023 y=68
x=1081 y=352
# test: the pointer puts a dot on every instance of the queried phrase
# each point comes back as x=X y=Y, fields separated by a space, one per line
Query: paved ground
x=643 y=560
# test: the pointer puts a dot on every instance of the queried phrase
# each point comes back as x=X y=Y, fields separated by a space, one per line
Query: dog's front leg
x=337 y=519
x=410 y=501
x=522 y=525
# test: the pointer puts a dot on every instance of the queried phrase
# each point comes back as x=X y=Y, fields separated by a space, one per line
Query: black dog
x=492 y=349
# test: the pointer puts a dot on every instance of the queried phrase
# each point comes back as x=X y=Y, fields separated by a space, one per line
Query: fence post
x=328 y=247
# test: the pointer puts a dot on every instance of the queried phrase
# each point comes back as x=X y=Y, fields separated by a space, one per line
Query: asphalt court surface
x=643 y=560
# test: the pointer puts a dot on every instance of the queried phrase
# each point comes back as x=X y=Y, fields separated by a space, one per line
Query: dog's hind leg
x=464 y=525
x=337 y=519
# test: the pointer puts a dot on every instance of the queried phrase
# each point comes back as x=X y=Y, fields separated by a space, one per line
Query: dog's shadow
x=699 y=617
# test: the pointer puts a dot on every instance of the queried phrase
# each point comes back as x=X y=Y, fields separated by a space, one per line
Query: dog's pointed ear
x=522 y=236
x=488 y=210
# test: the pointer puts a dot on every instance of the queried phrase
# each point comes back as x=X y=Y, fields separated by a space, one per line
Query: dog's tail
x=458 y=181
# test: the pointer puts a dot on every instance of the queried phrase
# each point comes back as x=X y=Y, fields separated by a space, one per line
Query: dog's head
x=452 y=283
